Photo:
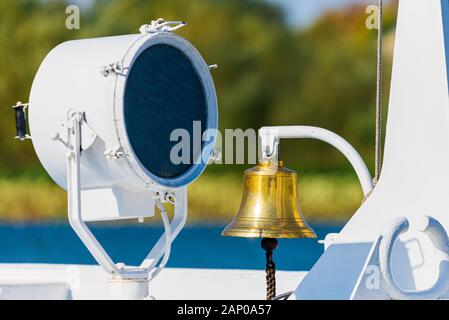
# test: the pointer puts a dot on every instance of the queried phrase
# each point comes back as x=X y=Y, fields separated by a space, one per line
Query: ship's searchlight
x=102 y=113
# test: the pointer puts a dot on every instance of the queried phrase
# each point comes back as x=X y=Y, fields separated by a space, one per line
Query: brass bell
x=270 y=205
x=269 y=210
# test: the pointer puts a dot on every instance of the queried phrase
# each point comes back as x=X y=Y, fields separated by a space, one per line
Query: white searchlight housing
x=133 y=92
x=101 y=115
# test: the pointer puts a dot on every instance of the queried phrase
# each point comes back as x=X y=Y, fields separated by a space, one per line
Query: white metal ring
x=437 y=234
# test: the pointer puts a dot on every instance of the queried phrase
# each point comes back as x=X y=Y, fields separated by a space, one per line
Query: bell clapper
x=269 y=245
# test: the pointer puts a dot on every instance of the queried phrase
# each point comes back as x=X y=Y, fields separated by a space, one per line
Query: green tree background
x=269 y=74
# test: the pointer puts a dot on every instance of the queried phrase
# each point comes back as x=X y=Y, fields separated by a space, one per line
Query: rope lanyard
x=378 y=143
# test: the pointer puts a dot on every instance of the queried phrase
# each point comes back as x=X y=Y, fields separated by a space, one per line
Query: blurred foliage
x=269 y=74
x=212 y=199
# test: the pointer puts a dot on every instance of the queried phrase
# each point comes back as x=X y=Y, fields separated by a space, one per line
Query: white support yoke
x=131 y=281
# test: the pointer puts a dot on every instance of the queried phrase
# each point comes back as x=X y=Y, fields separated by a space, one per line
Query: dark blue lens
x=163 y=92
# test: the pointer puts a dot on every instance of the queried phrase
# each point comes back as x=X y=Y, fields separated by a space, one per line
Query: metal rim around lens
x=144 y=175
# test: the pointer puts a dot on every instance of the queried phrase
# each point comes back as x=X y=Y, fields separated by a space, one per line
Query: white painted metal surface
x=125 y=289
x=414 y=179
x=31 y=282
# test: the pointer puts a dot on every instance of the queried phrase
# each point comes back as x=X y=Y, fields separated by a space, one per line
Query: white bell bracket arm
x=149 y=268
x=270 y=139
x=439 y=238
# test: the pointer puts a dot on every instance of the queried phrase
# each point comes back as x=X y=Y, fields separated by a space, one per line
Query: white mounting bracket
x=160 y=25
x=88 y=135
x=116 y=68
x=150 y=267
x=114 y=153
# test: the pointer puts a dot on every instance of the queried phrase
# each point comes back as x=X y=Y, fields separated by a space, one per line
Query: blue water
x=195 y=247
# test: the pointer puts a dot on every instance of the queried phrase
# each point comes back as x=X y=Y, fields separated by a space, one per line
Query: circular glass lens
x=164 y=93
